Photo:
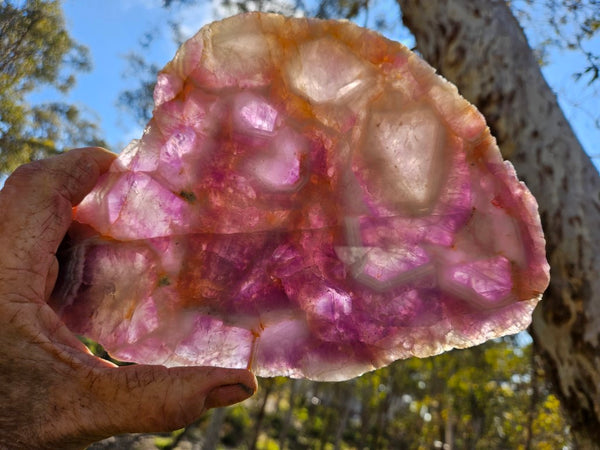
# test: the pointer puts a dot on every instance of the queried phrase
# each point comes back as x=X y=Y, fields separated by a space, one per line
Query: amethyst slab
x=310 y=200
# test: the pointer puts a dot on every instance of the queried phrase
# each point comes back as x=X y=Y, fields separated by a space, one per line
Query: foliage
x=138 y=101
x=36 y=50
x=566 y=25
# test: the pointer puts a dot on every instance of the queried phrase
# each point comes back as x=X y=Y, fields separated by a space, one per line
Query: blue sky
x=113 y=28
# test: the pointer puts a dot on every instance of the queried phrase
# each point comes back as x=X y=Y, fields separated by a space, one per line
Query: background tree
x=36 y=50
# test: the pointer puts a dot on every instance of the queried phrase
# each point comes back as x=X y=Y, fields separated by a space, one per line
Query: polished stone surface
x=310 y=200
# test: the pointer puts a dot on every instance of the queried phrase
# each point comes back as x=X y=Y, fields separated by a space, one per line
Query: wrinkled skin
x=53 y=392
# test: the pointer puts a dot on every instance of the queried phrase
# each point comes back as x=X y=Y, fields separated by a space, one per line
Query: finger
x=36 y=203
x=153 y=398
x=38 y=194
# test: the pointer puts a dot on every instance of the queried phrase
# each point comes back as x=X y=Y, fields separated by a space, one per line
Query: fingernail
x=247 y=389
x=228 y=395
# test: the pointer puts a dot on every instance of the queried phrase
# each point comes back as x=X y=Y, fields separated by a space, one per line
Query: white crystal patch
x=326 y=71
x=408 y=148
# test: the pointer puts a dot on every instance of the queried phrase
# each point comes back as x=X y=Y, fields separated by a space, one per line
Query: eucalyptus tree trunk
x=267 y=388
x=479 y=46
x=213 y=431
x=348 y=400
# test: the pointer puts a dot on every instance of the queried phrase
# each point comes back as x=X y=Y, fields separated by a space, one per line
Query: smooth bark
x=480 y=47
x=268 y=387
x=213 y=431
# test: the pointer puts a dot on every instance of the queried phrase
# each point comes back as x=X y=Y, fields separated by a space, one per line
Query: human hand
x=53 y=392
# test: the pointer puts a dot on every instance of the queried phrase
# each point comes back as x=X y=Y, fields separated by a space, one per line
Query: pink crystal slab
x=310 y=200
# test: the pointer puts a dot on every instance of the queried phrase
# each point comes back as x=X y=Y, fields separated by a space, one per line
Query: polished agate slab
x=309 y=200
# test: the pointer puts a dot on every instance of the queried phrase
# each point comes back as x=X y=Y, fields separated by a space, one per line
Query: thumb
x=36 y=204
x=143 y=398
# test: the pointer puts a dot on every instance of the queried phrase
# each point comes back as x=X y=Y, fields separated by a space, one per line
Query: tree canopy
x=37 y=50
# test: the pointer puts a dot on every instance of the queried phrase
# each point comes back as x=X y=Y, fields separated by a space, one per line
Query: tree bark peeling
x=480 y=47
